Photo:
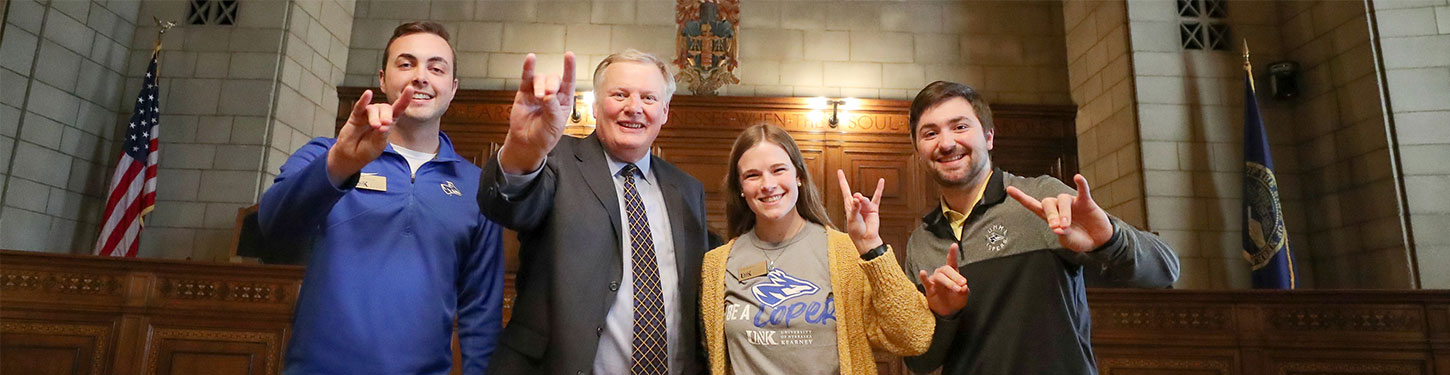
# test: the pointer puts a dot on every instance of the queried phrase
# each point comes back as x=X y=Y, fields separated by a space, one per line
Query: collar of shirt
x=445 y=151
x=958 y=219
x=643 y=165
x=411 y=154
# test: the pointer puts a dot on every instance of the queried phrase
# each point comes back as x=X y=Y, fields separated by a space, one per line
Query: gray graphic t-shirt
x=784 y=321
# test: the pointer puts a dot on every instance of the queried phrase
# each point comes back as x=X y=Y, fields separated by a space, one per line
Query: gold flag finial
x=1248 y=68
x=164 y=25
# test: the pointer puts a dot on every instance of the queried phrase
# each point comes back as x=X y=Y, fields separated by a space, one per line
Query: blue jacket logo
x=782 y=287
x=449 y=189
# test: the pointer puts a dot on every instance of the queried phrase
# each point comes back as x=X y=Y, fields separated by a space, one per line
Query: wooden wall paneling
x=116 y=316
x=1035 y=140
x=211 y=348
x=53 y=284
x=1275 y=332
x=230 y=293
x=44 y=344
x=865 y=164
x=100 y=315
x=1128 y=322
x=820 y=163
x=1346 y=325
x=1028 y=158
x=1120 y=329
x=1300 y=362
x=705 y=159
x=130 y=347
x=888 y=364
x=1139 y=360
x=1439 y=331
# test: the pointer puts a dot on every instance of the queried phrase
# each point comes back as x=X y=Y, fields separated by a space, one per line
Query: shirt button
x=613 y=286
x=599 y=331
x=579 y=372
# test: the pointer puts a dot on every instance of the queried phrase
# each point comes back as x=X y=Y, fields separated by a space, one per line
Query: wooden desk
x=1271 y=332
x=72 y=314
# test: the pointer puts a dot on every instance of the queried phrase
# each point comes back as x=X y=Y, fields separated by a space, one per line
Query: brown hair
x=425 y=27
x=809 y=204
x=941 y=91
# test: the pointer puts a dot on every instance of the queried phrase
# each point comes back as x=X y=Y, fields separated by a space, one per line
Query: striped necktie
x=649 y=344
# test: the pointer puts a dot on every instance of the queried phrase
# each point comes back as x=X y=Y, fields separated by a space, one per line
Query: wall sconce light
x=583 y=104
x=837 y=107
x=836 y=104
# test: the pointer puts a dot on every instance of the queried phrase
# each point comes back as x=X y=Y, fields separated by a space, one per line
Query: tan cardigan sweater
x=893 y=316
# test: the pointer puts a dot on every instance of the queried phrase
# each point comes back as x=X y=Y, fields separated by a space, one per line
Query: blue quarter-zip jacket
x=388 y=271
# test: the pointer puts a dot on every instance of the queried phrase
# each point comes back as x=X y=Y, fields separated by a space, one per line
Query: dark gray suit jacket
x=570 y=258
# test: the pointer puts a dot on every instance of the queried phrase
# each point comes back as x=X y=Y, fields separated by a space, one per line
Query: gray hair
x=636 y=56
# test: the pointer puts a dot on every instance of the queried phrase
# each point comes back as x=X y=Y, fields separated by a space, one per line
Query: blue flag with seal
x=1266 y=242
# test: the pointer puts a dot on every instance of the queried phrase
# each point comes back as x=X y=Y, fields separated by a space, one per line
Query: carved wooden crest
x=705 y=45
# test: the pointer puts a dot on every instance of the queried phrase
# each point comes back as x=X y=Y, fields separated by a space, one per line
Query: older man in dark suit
x=612 y=237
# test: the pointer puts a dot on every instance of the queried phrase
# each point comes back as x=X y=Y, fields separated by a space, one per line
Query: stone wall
x=866 y=49
x=64 y=65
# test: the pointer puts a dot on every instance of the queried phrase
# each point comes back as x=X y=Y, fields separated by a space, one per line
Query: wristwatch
x=876 y=252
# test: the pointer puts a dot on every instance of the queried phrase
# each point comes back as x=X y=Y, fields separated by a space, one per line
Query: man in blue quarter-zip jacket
x=386 y=215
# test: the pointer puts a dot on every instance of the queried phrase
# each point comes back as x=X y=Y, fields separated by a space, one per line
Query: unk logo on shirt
x=774 y=295
x=782 y=287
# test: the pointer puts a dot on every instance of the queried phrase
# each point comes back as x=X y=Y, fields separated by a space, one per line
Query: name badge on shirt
x=752 y=271
x=372 y=181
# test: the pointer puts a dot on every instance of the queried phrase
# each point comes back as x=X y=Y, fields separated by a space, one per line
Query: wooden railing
x=73 y=314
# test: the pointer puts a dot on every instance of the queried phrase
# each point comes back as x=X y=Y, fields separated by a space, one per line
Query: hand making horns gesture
x=536 y=122
x=1079 y=223
x=946 y=289
x=863 y=216
x=365 y=135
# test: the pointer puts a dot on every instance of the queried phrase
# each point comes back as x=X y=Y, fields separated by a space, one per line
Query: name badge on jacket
x=372 y=181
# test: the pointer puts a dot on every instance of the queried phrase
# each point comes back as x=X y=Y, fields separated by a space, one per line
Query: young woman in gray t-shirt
x=789 y=294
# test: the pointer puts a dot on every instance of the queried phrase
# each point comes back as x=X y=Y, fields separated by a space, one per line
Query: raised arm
x=1116 y=252
x=316 y=176
x=897 y=317
x=536 y=121
x=517 y=189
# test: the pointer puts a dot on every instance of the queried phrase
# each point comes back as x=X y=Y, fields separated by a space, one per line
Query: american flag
x=133 y=186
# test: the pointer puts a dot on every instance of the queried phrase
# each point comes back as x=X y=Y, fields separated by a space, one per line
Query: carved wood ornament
x=705 y=44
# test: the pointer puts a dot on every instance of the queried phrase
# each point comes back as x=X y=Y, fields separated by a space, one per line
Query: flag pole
x=132 y=193
x=156 y=55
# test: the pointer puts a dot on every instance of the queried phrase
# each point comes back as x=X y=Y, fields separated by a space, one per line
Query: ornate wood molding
x=223 y=290
x=77 y=283
x=1161 y=318
x=1356 y=368
x=101 y=336
x=1336 y=318
x=159 y=335
x=104 y=282
x=1221 y=366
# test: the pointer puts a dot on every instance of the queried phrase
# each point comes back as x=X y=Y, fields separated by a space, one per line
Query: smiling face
x=630 y=107
x=951 y=141
x=424 y=62
x=769 y=182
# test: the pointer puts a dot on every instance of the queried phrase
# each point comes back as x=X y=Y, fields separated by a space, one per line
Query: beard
x=975 y=170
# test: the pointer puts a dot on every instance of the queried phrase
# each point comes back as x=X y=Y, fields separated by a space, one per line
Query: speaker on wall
x=1283 y=80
